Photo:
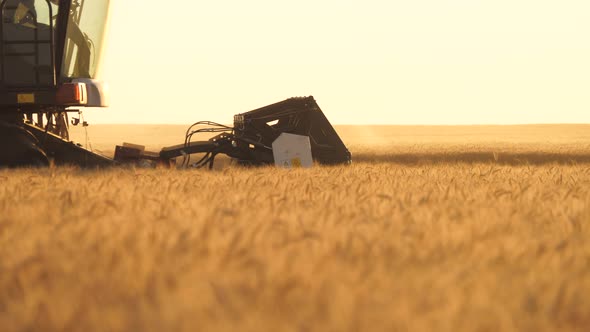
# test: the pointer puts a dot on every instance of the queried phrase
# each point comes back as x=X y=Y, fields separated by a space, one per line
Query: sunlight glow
x=370 y=62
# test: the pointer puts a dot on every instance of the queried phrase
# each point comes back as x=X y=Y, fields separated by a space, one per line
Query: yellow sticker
x=26 y=98
x=296 y=162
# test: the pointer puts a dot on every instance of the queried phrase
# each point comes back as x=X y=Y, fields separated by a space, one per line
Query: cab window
x=84 y=38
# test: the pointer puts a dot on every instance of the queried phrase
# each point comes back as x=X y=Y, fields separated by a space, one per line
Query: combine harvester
x=50 y=52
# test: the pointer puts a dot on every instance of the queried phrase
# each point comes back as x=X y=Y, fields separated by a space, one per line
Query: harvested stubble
x=373 y=246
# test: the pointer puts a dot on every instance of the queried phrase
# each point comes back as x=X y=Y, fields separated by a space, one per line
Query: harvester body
x=50 y=54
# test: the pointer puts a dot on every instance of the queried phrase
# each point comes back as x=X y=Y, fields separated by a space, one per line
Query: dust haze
x=516 y=143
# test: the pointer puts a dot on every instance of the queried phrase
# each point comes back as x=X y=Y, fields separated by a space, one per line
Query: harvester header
x=250 y=139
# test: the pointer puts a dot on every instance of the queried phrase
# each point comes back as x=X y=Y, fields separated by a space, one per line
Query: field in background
x=401 y=144
x=431 y=229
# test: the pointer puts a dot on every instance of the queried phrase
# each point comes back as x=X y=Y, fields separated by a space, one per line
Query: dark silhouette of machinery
x=50 y=54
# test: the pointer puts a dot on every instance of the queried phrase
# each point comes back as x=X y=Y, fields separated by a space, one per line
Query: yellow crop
x=436 y=243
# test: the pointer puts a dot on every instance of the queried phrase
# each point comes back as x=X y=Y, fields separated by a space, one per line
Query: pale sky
x=365 y=62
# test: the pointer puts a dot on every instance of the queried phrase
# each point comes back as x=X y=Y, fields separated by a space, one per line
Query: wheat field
x=430 y=229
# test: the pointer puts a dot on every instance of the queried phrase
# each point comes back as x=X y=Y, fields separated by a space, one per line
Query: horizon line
x=376 y=124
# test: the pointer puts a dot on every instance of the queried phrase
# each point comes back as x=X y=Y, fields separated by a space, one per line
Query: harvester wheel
x=20 y=148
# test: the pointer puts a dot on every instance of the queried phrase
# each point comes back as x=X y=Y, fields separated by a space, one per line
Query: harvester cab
x=50 y=52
